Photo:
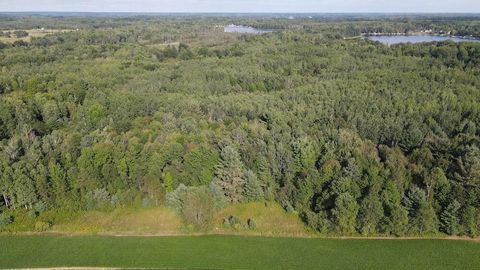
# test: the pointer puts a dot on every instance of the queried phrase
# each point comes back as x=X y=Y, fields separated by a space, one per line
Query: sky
x=310 y=6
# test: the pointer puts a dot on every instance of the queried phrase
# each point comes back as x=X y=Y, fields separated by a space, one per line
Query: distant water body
x=391 y=40
x=232 y=28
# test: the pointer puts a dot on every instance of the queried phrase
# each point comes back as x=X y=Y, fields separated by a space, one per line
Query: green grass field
x=235 y=252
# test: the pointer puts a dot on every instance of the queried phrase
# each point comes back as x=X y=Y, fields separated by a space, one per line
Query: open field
x=31 y=34
x=156 y=221
x=271 y=220
x=235 y=252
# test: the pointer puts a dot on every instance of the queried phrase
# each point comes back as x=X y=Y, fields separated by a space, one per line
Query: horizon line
x=248 y=12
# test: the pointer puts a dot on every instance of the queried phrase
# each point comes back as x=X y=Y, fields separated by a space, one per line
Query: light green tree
x=345 y=213
x=253 y=191
x=229 y=175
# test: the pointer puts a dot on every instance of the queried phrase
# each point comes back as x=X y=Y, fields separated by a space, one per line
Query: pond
x=232 y=28
x=391 y=40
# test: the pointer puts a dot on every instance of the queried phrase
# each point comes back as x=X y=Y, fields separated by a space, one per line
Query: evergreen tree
x=423 y=217
x=471 y=221
x=395 y=220
x=253 y=191
x=436 y=182
x=426 y=219
x=449 y=218
x=304 y=153
x=229 y=175
x=266 y=180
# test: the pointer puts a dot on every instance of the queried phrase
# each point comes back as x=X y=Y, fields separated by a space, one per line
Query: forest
x=356 y=137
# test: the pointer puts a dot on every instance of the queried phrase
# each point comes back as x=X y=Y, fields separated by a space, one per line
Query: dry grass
x=271 y=220
x=31 y=33
x=157 y=221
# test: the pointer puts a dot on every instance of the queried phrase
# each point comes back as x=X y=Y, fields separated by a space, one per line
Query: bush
x=115 y=201
x=288 y=207
x=198 y=207
x=226 y=223
x=32 y=214
x=252 y=225
x=98 y=199
x=41 y=226
x=174 y=199
x=5 y=220
x=235 y=222
x=147 y=203
x=21 y=34
x=40 y=207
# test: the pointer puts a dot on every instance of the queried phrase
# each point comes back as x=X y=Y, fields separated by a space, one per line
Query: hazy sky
x=471 y=6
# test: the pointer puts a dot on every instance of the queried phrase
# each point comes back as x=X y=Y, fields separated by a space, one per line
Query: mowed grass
x=235 y=252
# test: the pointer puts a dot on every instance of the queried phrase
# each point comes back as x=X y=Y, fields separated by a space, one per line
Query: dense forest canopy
x=355 y=136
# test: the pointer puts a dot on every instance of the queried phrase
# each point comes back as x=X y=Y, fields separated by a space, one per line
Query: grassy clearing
x=235 y=252
x=271 y=220
x=31 y=34
x=160 y=221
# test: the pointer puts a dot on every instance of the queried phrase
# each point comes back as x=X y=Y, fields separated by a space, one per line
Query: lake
x=232 y=28
x=391 y=40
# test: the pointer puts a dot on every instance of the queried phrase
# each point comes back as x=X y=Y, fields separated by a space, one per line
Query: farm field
x=234 y=252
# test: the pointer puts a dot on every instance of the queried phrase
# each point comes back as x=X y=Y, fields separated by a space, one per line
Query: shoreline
x=418 y=34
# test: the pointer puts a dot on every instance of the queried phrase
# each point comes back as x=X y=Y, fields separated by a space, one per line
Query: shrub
x=147 y=203
x=174 y=199
x=220 y=199
x=41 y=226
x=226 y=223
x=234 y=221
x=40 y=207
x=21 y=34
x=288 y=207
x=98 y=199
x=32 y=214
x=198 y=207
x=252 y=225
x=5 y=220
x=115 y=201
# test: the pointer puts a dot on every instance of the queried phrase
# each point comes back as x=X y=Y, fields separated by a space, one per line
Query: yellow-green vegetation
x=10 y=36
x=157 y=221
x=270 y=219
